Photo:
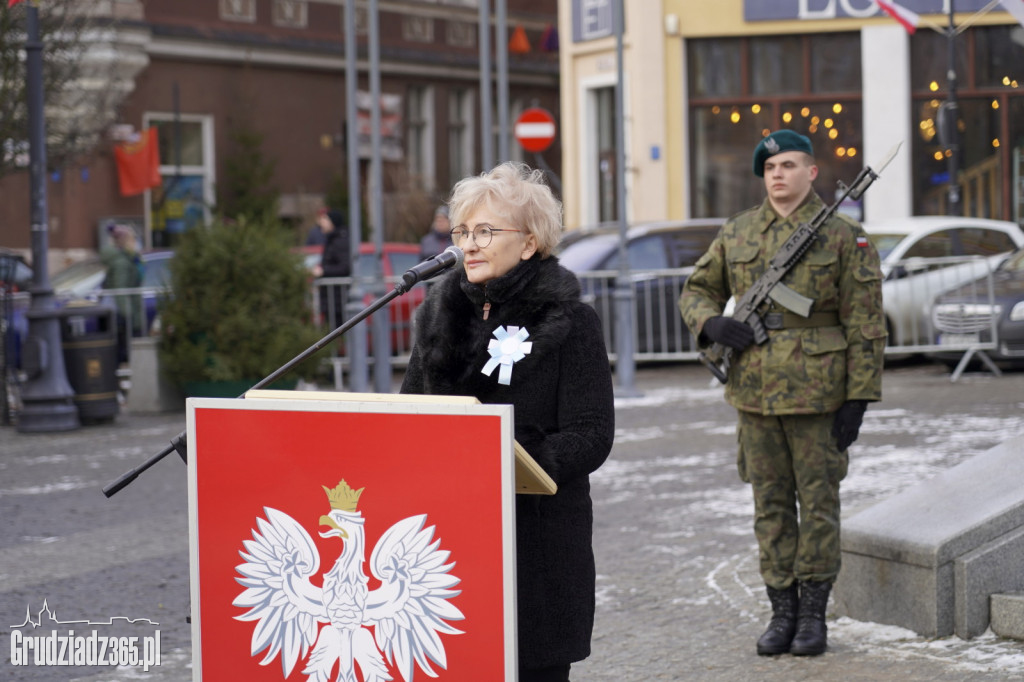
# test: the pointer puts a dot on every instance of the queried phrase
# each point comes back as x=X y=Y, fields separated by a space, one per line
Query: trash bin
x=89 y=340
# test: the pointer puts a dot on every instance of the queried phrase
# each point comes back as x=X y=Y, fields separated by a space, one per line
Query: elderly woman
x=507 y=222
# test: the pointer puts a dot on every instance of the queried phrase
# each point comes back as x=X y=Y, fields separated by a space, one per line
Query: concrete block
x=898 y=555
x=1008 y=615
x=151 y=391
x=894 y=593
x=994 y=567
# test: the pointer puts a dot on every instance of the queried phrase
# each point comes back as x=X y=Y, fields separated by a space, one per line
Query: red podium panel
x=328 y=536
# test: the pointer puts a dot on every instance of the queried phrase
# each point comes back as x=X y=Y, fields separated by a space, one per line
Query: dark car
x=969 y=313
x=661 y=256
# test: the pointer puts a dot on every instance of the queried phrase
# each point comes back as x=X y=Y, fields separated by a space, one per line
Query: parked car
x=84 y=280
x=15 y=273
x=661 y=256
x=970 y=313
x=397 y=257
x=925 y=255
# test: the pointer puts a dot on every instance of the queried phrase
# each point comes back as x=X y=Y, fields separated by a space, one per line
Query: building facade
x=704 y=81
x=235 y=82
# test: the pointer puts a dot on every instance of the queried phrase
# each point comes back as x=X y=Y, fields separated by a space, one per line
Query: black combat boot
x=777 y=637
x=811 y=638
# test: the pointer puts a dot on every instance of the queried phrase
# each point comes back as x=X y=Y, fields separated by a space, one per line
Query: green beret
x=776 y=143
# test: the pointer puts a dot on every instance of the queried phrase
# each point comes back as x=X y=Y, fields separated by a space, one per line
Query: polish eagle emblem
x=407 y=613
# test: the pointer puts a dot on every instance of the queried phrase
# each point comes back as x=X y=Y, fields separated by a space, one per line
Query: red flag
x=519 y=43
x=908 y=18
x=138 y=164
x=12 y=3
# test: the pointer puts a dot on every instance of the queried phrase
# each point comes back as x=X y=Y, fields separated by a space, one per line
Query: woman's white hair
x=516 y=193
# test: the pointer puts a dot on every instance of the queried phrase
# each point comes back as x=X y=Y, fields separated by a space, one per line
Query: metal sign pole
x=625 y=364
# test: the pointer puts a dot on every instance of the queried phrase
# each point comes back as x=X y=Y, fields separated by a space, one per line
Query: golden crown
x=343 y=497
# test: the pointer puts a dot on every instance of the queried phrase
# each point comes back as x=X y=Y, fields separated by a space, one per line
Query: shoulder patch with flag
x=862 y=242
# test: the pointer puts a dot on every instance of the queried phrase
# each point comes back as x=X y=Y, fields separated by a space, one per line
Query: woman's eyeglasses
x=482 y=235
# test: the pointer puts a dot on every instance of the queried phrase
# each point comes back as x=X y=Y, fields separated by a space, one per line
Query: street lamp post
x=950 y=121
x=46 y=395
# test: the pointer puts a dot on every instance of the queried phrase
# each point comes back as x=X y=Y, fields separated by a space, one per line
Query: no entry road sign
x=535 y=129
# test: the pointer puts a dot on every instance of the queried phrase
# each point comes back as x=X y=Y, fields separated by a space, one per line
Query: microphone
x=432 y=266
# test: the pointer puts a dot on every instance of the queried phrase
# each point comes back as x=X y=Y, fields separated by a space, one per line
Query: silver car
x=923 y=256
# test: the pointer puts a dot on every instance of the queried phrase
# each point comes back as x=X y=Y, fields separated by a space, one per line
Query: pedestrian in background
x=124 y=271
x=553 y=369
x=800 y=396
x=316 y=236
x=437 y=239
x=335 y=261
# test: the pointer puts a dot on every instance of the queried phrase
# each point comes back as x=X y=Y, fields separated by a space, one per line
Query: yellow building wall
x=655 y=107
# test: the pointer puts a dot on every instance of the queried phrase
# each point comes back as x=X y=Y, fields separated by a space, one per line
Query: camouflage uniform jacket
x=799 y=370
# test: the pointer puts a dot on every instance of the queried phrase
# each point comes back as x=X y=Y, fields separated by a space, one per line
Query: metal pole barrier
x=501 y=50
x=486 y=146
x=46 y=396
x=381 y=324
x=625 y=364
x=358 y=367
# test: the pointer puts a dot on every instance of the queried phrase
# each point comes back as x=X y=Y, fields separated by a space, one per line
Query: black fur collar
x=452 y=335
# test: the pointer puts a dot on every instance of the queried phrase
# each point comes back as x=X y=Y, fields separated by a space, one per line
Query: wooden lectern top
x=531 y=479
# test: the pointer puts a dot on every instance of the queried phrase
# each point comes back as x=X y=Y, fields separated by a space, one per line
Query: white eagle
x=408 y=612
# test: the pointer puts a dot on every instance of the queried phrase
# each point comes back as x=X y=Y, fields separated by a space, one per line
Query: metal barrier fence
x=967 y=326
x=658 y=330
x=908 y=297
x=332 y=302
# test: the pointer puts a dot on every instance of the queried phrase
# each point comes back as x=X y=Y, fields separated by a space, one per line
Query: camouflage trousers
x=792 y=461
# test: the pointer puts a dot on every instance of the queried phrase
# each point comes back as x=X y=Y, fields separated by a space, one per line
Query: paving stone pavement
x=679 y=595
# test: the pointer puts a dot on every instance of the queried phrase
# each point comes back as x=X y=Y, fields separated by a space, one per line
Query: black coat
x=336 y=261
x=564 y=417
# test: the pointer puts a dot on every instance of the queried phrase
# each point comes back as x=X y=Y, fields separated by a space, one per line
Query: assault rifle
x=770 y=286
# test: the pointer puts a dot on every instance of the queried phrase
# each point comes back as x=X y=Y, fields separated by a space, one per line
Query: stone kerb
x=928 y=558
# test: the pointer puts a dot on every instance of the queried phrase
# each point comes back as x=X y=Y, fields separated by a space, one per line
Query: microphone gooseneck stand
x=416 y=274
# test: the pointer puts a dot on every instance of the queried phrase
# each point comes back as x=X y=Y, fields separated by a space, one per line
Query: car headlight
x=1017 y=312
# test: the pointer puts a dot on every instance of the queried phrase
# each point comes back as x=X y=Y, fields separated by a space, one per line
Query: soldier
x=800 y=396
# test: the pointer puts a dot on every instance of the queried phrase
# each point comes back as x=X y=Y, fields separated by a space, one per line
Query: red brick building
x=205 y=71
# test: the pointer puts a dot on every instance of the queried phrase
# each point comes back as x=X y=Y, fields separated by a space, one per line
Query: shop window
x=290 y=13
x=460 y=134
x=238 y=10
x=420 y=135
x=773 y=62
x=714 y=67
x=183 y=199
x=810 y=84
x=835 y=62
x=603 y=112
x=988 y=128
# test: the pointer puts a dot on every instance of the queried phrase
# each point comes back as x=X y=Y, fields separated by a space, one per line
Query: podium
x=367 y=532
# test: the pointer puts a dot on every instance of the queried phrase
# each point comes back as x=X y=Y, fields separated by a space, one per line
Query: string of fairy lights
x=814 y=123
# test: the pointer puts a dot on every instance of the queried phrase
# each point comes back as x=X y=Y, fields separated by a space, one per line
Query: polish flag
x=1016 y=8
x=908 y=18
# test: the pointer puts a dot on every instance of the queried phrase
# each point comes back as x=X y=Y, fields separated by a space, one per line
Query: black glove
x=728 y=332
x=846 y=427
